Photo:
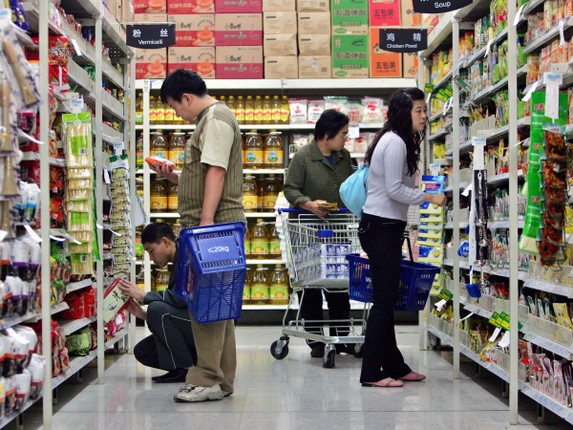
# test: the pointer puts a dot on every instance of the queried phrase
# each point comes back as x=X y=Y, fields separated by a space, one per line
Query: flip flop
x=384 y=383
x=413 y=377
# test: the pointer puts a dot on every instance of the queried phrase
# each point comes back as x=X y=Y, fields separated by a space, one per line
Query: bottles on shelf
x=260 y=193
x=158 y=195
x=258 y=110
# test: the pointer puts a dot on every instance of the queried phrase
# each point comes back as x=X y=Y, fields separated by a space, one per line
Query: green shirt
x=216 y=141
x=311 y=177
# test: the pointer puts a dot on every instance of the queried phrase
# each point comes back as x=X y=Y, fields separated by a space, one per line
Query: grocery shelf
x=119 y=335
x=247 y=127
x=450 y=225
x=59 y=307
x=487 y=92
x=76 y=364
x=549 y=403
x=440 y=335
x=443 y=81
x=254 y=261
x=263 y=171
x=492 y=271
x=438 y=135
x=503 y=224
x=110 y=135
x=15 y=320
x=33 y=18
x=164 y=215
x=74 y=286
x=548 y=37
x=71 y=326
x=550 y=287
x=502 y=178
x=79 y=76
x=260 y=215
x=493 y=368
x=8 y=418
x=549 y=345
x=113 y=106
x=477 y=310
x=439 y=34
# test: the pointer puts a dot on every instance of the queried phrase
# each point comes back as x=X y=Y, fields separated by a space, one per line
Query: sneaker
x=193 y=393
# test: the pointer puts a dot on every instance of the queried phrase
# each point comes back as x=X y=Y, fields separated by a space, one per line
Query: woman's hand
x=313 y=207
x=437 y=199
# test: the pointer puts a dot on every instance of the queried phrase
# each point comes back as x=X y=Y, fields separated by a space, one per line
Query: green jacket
x=311 y=177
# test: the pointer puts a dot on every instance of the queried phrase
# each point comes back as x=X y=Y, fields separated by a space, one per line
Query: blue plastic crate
x=211 y=271
x=416 y=282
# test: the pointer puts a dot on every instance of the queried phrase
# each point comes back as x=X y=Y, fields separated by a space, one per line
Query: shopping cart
x=315 y=253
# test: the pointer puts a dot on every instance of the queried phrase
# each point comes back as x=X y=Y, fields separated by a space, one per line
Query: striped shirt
x=216 y=142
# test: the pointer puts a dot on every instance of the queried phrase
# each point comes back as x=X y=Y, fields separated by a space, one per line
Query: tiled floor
x=294 y=393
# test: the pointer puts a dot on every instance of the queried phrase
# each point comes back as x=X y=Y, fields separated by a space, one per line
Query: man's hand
x=164 y=171
x=131 y=290
x=137 y=311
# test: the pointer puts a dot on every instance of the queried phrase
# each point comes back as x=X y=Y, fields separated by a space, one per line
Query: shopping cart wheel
x=329 y=356
x=358 y=350
x=279 y=348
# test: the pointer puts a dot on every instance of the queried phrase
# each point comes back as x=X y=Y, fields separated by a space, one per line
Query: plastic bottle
x=253 y=155
x=152 y=111
x=159 y=112
x=139 y=109
x=260 y=285
x=267 y=110
x=249 y=110
x=169 y=114
x=177 y=227
x=285 y=110
x=172 y=197
x=223 y=100
x=273 y=150
x=260 y=240
x=275 y=244
x=158 y=146
x=260 y=193
x=231 y=103
x=276 y=110
x=278 y=286
x=248 y=242
x=248 y=285
x=139 y=152
x=250 y=194
x=271 y=189
x=162 y=279
x=240 y=110
x=177 y=149
x=258 y=110
x=140 y=280
x=158 y=195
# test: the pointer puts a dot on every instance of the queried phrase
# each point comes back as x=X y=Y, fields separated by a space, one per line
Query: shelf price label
x=433 y=6
x=150 y=36
x=493 y=319
x=403 y=39
x=429 y=88
x=445 y=294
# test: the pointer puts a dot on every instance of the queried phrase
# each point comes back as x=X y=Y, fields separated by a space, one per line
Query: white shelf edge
x=549 y=345
x=547 y=402
x=540 y=41
x=71 y=326
x=288 y=127
x=254 y=261
x=16 y=319
x=119 y=335
x=260 y=215
x=74 y=286
x=263 y=171
x=562 y=290
x=76 y=364
x=110 y=135
x=164 y=215
x=440 y=335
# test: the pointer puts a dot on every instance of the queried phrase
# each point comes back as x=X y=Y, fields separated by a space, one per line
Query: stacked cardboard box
x=280 y=30
x=314 y=39
x=150 y=63
x=238 y=39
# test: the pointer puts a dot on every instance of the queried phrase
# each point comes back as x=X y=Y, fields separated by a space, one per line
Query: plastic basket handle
x=406 y=237
x=304 y=211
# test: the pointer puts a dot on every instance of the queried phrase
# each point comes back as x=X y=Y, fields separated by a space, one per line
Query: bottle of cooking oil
x=267 y=110
x=260 y=240
x=249 y=110
x=231 y=103
x=285 y=110
x=260 y=285
x=258 y=110
x=159 y=112
x=152 y=111
x=276 y=110
x=240 y=110
x=250 y=194
x=248 y=285
x=248 y=242
x=278 y=286
x=139 y=109
x=275 y=244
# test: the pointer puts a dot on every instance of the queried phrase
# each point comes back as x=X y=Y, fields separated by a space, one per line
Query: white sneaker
x=193 y=393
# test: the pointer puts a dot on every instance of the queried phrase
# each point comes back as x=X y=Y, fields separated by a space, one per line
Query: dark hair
x=329 y=124
x=180 y=82
x=400 y=122
x=154 y=232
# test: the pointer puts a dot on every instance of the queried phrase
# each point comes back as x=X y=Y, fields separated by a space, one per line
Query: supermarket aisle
x=295 y=393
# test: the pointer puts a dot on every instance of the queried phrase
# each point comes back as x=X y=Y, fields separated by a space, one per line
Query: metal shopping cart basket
x=315 y=253
x=211 y=271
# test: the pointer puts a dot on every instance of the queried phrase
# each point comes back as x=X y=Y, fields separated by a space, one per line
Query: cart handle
x=304 y=211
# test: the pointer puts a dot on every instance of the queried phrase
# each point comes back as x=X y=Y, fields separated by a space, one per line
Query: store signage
x=403 y=39
x=150 y=36
x=433 y=6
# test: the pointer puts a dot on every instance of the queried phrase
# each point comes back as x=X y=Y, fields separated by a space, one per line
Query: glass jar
x=172 y=197
x=250 y=194
x=253 y=153
x=177 y=149
x=273 y=150
x=158 y=195
x=158 y=145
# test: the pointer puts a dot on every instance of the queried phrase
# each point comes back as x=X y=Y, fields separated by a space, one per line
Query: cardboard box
x=279 y=22
x=385 y=12
x=315 y=67
x=277 y=45
x=281 y=67
x=349 y=16
x=313 y=44
x=409 y=18
x=383 y=64
x=149 y=6
x=313 y=23
x=350 y=56
x=200 y=60
x=313 y=5
x=278 y=5
x=127 y=11
x=180 y=7
x=239 y=29
x=194 y=30
x=149 y=18
x=238 y=6
x=410 y=64
x=114 y=7
x=150 y=63
x=239 y=62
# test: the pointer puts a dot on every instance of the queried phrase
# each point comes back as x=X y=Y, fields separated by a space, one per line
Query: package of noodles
x=78 y=145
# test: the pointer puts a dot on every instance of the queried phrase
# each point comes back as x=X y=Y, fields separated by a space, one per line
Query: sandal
x=383 y=383
x=413 y=377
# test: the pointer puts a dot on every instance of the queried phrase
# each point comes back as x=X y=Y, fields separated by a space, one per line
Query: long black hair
x=400 y=122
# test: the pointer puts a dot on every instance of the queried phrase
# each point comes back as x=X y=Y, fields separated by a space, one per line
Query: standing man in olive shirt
x=315 y=173
x=210 y=191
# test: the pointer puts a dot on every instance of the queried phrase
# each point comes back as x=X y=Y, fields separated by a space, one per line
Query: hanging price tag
x=518 y=15
x=439 y=305
x=487 y=48
x=495 y=334
x=467 y=316
x=552 y=82
x=33 y=233
x=479 y=145
x=76 y=46
x=529 y=92
x=3 y=234
x=504 y=342
x=562 y=32
x=428 y=88
x=353 y=132
x=106 y=177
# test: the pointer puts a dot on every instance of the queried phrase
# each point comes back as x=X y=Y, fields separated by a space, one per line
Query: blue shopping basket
x=416 y=282
x=211 y=271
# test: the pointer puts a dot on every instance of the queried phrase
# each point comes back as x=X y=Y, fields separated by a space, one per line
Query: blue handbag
x=353 y=190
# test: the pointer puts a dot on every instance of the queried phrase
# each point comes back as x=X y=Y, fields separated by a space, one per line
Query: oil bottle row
x=265 y=286
x=260 y=193
x=258 y=110
x=262 y=240
x=159 y=112
x=168 y=146
x=263 y=151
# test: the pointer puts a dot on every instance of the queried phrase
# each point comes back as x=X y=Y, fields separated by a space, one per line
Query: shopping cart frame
x=309 y=241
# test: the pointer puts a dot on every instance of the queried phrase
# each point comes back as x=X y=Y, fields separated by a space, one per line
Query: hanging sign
x=150 y=36
x=403 y=39
x=433 y=6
